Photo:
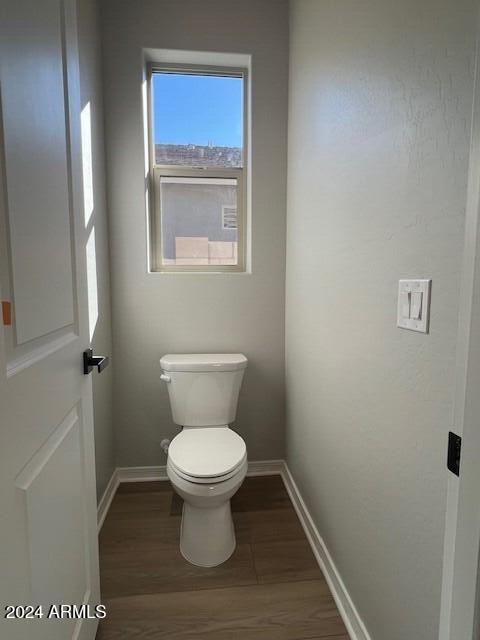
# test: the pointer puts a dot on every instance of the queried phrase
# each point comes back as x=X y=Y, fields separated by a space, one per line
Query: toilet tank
x=203 y=388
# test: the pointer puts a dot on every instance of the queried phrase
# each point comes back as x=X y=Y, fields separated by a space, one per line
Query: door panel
x=36 y=168
x=56 y=525
x=48 y=541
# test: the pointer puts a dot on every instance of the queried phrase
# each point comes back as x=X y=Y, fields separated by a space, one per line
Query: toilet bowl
x=207 y=460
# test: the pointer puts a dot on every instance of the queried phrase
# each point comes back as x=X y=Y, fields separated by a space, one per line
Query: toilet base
x=207 y=536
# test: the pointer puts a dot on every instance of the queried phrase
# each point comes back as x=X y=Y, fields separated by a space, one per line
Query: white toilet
x=207 y=461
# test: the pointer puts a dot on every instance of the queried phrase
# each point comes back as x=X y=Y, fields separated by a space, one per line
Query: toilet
x=207 y=461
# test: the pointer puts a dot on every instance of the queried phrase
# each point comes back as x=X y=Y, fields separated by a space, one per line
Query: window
x=229 y=216
x=198 y=150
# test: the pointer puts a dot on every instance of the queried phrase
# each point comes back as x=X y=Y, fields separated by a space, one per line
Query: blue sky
x=197 y=109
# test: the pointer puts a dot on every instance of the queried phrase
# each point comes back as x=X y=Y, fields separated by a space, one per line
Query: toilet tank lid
x=203 y=361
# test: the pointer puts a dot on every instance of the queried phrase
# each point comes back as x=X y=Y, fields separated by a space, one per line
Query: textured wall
x=157 y=313
x=379 y=123
x=91 y=95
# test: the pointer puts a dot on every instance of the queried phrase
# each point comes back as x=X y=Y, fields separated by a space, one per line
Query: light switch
x=414 y=305
x=405 y=303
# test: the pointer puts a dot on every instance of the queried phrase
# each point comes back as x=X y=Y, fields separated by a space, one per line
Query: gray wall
x=159 y=313
x=91 y=92
x=379 y=123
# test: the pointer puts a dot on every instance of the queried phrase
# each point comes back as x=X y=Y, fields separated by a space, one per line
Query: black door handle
x=90 y=361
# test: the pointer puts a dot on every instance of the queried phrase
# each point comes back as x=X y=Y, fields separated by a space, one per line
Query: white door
x=48 y=546
x=460 y=583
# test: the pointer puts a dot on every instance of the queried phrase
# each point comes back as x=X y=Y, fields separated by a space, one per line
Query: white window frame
x=180 y=171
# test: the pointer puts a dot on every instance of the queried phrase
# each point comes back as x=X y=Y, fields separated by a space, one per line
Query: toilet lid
x=207 y=452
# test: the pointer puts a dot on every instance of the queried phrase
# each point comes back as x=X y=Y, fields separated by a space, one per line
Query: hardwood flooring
x=270 y=589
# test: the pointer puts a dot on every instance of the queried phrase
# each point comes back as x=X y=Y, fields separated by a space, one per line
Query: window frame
x=186 y=171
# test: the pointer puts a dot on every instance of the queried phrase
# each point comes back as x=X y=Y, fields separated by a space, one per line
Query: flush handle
x=90 y=361
x=165 y=378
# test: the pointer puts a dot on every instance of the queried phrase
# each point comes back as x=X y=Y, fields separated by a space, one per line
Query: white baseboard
x=142 y=474
x=265 y=467
x=147 y=474
x=106 y=499
x=351 y=618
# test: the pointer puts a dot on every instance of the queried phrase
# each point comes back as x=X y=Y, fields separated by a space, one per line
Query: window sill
x=199 y=273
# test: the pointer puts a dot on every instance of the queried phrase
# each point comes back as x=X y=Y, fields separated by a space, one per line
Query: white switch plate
x=414 y=300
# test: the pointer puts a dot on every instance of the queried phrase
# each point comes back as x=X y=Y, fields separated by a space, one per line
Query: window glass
x=197 y=119
x=198 y=221
x=199 y=181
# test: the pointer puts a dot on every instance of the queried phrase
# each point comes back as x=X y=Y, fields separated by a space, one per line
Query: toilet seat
x=207 y=454
x=208 y=479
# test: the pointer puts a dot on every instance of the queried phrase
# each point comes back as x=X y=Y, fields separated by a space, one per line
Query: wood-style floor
x=270 y=589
